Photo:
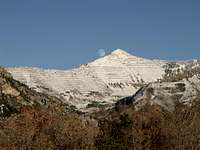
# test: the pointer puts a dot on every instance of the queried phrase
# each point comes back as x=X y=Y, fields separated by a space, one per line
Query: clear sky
x=66 y=33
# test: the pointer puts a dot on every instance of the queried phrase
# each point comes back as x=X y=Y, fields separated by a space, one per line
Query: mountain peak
x=120 y=52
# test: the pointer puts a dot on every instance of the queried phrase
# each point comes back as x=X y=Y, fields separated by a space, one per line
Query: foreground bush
x=35 y=129
x=150 y=128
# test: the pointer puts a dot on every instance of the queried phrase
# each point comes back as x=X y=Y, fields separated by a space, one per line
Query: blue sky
x=66 y=33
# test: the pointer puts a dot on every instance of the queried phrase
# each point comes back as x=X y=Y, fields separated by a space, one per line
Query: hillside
x=14 y=96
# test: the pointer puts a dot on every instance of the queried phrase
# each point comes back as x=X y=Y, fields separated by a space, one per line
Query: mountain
x=106 y=79
x=103 y=81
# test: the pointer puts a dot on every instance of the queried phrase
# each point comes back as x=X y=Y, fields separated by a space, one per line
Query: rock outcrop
x=165 y=94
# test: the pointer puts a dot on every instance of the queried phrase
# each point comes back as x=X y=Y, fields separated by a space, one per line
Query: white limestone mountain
x=105 y=80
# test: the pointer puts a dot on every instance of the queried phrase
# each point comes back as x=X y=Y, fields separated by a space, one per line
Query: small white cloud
x=101 y=52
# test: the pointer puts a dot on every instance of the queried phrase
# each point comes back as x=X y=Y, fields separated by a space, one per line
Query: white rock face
x=118 y=74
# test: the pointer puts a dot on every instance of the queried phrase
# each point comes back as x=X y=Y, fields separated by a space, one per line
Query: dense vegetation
x=151 y=128
x=148 y=128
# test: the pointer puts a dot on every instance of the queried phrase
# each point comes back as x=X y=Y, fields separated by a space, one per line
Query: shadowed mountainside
x=15 y=95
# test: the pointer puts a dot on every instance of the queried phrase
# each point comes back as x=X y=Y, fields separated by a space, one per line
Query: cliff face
x=116 y=75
